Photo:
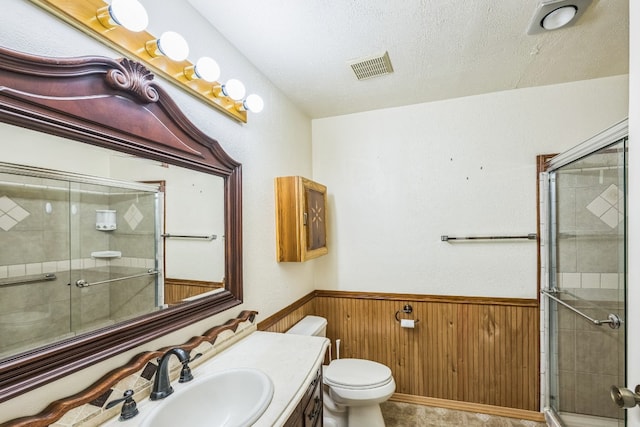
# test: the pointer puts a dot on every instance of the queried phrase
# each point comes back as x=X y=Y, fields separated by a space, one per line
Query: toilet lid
x=356 y=373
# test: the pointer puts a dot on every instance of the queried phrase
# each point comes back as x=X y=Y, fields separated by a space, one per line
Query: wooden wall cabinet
x=301 y=219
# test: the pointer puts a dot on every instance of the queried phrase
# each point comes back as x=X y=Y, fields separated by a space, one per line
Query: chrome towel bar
x=81 y=283
x=530 y=236
x=189 y=236
x=613 y=320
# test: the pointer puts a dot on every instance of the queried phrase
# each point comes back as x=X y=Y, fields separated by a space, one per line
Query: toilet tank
x=310 y=325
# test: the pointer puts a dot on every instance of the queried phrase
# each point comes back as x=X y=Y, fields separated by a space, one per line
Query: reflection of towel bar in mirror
x=29 y=279
x=81 y=283
x=530 y=236
x=189 y=236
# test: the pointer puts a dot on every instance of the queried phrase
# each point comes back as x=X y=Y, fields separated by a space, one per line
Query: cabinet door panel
x=309 y=411
x=316 y=219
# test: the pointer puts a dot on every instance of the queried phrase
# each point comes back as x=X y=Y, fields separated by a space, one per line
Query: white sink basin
x=231 y=398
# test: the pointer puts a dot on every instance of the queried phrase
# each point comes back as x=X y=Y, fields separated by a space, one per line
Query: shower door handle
x=625 y=398
x=613 y=320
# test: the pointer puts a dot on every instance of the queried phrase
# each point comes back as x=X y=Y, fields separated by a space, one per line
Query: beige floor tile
x=397 y=414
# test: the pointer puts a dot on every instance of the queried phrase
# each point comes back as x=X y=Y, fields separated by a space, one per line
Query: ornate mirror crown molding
x=135 y=78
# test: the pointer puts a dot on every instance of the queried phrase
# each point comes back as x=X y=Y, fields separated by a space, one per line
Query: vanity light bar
x=82 y=14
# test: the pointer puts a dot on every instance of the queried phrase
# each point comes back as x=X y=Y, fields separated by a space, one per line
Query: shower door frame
x=612 y=135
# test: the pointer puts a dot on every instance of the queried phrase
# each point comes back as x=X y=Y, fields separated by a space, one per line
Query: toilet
x=353 y=388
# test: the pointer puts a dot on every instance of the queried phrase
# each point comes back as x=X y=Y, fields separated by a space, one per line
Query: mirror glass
x=193 y=232
x=54 y=107
x=104 y=233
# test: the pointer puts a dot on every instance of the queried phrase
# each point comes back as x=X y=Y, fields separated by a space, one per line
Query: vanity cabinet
x=308 y=413
x=301 y=219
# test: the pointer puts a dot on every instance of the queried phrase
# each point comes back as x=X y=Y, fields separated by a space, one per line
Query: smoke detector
x=372 y=66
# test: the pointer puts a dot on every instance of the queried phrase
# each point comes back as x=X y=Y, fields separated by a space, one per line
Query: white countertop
x=289 y=360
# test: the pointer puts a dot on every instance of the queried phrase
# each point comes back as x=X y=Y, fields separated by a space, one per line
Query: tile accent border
x=18 y=270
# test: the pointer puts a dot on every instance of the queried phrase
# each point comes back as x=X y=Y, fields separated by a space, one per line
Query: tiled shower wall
x=46 y=229
x=589 y=362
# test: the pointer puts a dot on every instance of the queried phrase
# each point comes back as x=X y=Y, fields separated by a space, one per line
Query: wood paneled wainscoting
x=483 y=352
x=177 y=290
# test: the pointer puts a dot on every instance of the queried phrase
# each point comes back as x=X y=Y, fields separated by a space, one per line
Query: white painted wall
x=275 y=142
x=193 y=205
x=633 y=285
x=400 y=178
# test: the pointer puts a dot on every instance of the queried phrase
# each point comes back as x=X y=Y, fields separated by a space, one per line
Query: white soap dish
x=106 y=254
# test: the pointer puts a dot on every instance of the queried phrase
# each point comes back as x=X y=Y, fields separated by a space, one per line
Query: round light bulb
x=234 y=89
x=207 y=69
x=559 y=17
x=173 y=45
x=253 y=103
x=130 y=14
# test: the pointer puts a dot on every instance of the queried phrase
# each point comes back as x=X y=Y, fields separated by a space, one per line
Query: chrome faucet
x=162 y=384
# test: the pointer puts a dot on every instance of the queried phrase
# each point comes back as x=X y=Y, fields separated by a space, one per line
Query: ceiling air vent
x=372 y=66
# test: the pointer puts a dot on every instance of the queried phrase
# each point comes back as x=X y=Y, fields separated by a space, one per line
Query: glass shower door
x=77 y=253
x=114 y=234
x=34 y=261
x=587 y=287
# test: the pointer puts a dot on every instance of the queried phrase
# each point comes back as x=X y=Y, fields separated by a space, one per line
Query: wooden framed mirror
x=115 y=104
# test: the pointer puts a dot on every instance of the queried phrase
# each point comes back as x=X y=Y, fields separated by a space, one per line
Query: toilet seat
x=357 y=374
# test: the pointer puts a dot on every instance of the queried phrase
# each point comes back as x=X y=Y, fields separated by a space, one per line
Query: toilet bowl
x=353 y=388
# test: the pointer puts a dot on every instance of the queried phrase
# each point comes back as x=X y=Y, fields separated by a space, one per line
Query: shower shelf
x=106 y=254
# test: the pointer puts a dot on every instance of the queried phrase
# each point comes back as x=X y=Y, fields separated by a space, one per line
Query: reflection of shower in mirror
x=51 y=247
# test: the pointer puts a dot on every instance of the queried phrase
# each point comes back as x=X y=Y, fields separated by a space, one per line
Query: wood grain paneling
x=176 y=290
x=476 y=350
x=289 y=316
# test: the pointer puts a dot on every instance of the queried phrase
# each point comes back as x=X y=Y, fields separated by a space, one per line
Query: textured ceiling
x=439 y=48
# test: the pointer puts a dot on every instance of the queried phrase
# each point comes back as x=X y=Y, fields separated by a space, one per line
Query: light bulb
x=234 y=89
x=207 y=69
x=130 y=14
x=253 y=103
x=170 y=44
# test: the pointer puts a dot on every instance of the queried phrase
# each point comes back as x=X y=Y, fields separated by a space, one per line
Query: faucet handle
x=129 y=407
x=185 y=372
